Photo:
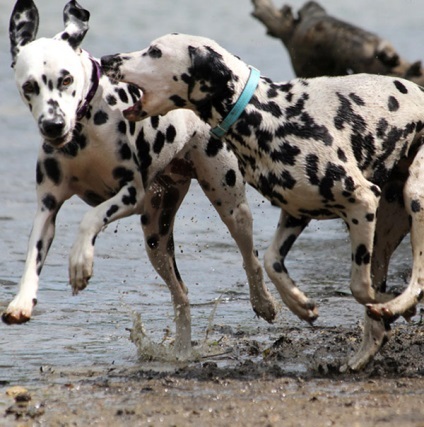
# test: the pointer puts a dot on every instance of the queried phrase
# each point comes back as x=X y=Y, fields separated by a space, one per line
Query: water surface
x=91 y=329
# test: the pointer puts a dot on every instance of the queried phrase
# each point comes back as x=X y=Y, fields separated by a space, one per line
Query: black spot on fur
x=39 y=251
x=112 y=210
x=123 y=95
x=312 y=168
x=144 y=219
x=288 y=153
x=153 y=241
x=143 y=153
x=178 y=101
x=49 y=202
x=125 y=151
x=347 y=116
x=154 y=120
x=122 y=127
x=159 y=142
x=154 y=52
x=293 y=222
x=415 y=206
x=52 y=168
x=362 y=256
x=305 y=128
x=230 y=178
x=393 y=104
x=171 y=133
x=111 y=100
x=131 y=197
x=39 y=174
x=123 y=175
x=298 y=108
x=278 y=268
x=400 y=87
x=213 y=147
x=341 y=155
x=287 y=244
x=170 y=201
x=356 y=99
x=100 y=118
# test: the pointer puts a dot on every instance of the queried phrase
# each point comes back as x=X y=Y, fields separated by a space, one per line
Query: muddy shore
x=246 y=384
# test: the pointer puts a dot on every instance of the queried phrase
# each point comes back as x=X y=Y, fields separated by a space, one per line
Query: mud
x=293 y=382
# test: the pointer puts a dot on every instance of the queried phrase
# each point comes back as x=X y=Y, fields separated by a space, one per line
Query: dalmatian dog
x=321 y=148
x=118 y=167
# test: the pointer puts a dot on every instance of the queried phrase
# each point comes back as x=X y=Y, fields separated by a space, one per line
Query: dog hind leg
x=391 y=226
x=162 y=201
x=414 y=206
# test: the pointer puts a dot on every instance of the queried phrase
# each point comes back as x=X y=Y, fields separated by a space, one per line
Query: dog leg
x=224 y=186
x=126 y=202
x=391 y=226
x=161 y=203
x=414 y=205
x=289 y=229
x=376 y=334
x=41 y=237
x=240 y=224
x=361 y=221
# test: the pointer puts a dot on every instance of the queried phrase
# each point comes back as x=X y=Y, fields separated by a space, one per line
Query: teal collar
x=240 y=105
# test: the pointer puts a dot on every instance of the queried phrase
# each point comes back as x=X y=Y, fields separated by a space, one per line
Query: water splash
x=150 y=350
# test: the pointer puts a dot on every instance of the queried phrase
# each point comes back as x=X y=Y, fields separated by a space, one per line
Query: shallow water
x=91 y=329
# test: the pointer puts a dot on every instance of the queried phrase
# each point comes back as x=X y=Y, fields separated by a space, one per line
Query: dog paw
x=308 y=312
x=80 y=267
x=266 y=309
x=18 y=312
x=380 y=312
x=14 y=318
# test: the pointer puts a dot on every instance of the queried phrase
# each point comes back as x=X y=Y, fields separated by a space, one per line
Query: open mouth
x=135 y=113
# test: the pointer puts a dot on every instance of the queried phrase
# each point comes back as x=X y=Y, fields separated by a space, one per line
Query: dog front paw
x=80 y=267
x=19 y=311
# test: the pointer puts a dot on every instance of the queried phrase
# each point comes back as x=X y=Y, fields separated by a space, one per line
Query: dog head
x=177 y=71
x=49 y=73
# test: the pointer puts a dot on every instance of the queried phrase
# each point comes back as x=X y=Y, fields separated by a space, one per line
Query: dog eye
x=67 y=81
x=28 y=88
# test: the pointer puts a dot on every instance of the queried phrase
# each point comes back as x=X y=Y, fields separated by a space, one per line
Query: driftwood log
x=319 y=44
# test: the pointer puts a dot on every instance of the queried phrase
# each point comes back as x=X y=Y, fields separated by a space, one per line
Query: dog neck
x=95 y=78
x=246 y=95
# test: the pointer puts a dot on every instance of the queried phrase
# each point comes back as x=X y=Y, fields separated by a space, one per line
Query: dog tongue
x=134 y=113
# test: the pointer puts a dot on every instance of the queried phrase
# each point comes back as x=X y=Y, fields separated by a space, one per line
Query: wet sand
x=293 y=382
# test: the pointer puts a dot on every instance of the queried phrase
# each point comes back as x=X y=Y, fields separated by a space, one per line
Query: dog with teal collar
x=346 y=147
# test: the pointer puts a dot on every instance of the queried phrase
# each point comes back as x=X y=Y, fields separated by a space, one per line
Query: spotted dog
x=118 y=167
x=318 y=148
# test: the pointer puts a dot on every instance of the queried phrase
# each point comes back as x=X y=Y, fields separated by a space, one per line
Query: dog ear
x=208 y=64
x=23 y=26
x=76 y=24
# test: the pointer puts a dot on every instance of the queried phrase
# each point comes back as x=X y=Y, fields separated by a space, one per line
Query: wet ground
x=293 y=382
x=74 y=361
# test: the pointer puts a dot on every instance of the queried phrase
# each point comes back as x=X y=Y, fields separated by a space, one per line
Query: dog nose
x=110 y=61
x=53 y=128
